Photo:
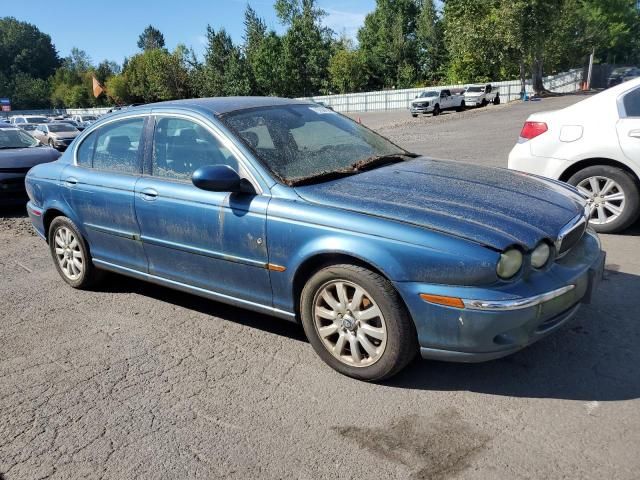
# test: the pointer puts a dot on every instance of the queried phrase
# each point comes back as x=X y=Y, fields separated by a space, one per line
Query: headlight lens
x=540 y=255
x=509 y=264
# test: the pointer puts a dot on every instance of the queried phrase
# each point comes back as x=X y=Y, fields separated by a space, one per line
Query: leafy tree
x=306 y=47
x=154 y=75
x=25 y=49
x=431 y=50
x=346 y=69
x=29 y=92
x=388 y=43
x=151 y=38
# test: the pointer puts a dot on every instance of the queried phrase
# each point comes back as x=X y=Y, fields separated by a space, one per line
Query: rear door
x=628 y=126
x=99 y=187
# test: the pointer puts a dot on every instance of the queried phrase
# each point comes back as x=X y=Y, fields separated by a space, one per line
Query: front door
x=100 y=191
x=211 y=240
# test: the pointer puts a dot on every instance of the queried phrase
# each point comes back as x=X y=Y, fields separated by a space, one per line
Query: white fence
x=379 y=101
x=399 y=99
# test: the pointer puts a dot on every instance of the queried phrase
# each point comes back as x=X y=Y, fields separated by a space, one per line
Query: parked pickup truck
x=435 y=101
x=481 y=95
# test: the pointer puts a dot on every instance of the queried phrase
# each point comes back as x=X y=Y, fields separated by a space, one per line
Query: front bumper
x=420 y=109
x=508 y=318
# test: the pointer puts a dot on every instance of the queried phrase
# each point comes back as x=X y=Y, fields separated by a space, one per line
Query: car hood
x=27 y=157
x=492 y=206
x=423 y=99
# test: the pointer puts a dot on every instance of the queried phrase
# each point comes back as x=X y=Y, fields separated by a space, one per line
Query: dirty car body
x=262 y=202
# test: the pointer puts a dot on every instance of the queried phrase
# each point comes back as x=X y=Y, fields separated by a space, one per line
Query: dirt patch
x=16 y=226
x=434 y=448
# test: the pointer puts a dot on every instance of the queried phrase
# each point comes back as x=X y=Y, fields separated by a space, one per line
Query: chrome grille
x=570 y=235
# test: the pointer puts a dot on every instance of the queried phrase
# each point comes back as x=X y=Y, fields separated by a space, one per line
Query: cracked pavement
x=132 y=380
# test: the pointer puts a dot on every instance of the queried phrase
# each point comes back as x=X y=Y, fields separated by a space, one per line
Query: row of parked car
x=436 y=101
x=56 y=131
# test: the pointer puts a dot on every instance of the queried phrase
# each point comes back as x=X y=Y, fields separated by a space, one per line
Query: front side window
x=181 y=146
x=113 y=147
x=303 y=143
x=632 y=103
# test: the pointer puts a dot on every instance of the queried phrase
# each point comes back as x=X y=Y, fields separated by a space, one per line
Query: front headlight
x=540 y=255
x=509 y=264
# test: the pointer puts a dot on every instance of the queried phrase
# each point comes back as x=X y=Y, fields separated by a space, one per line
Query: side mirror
x=217 y=178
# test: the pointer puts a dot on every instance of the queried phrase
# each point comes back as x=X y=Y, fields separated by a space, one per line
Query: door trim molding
x=239 y=302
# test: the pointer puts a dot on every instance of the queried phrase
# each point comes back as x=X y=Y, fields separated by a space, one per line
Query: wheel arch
x=320 y=260
x=592 y=162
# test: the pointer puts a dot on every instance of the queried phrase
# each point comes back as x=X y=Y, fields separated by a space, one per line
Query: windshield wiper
x=322 y=177
x=380 y=160
x=357 y=167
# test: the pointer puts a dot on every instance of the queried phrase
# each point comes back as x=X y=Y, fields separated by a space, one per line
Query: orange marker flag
x=98 y=88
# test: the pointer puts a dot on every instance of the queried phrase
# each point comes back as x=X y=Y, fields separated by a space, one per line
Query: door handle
x=634 y=133
x=70 y=181
x=149 y=194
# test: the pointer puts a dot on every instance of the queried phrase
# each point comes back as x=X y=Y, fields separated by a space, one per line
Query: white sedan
x=594 y=145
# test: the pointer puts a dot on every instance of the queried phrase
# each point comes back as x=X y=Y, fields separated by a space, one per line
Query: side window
x=488 y=89
x=116 y=146
x=632 y=103
x=181 y=146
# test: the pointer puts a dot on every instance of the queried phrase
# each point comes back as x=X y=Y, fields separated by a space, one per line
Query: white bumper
x=521 y=159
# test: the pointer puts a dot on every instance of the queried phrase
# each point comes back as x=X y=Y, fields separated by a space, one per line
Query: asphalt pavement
x=137 y=381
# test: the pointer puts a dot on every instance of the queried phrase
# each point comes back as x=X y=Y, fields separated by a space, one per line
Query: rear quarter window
x=631 y=103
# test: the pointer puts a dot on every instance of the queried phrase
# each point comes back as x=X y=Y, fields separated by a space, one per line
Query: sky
x=110 y=29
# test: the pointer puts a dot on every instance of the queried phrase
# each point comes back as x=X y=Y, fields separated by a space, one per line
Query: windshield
x=428 y=94
x=620 y=70
x=475 y=89
x=61 y=127
x=16 y=138
x=300 y=142
x=36 y=119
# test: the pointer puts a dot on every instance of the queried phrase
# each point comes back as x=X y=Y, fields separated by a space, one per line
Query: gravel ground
x=134 y=380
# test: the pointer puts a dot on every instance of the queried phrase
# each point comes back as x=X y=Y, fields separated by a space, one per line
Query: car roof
x=223 y=105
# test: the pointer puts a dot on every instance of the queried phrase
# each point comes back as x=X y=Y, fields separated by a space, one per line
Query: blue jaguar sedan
x=288 y=208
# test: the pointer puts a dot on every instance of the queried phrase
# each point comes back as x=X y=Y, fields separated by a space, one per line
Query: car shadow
x=14 y=211
x=594 y=358
x=120 y=284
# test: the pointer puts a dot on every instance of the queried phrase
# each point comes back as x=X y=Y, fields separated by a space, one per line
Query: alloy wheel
x=606 y=199
x=350 y=323
x=68 y=253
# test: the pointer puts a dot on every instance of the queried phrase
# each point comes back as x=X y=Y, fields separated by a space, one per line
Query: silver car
x=57 y=135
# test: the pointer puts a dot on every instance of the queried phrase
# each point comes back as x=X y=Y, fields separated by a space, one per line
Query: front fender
x=298 y=231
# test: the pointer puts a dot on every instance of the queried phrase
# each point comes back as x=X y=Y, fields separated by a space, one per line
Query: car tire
x=496 y=100
x=436 y=110
x=382 y=344
x=484 y=102
x=462 y=106
x=414 y=115
x=624 y=183
x=71 y=255
x=51 y=144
